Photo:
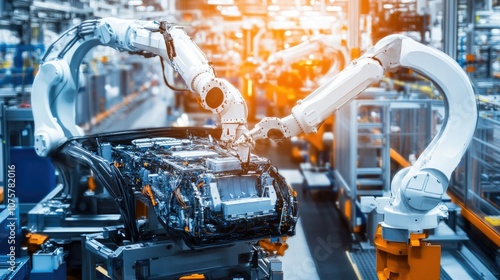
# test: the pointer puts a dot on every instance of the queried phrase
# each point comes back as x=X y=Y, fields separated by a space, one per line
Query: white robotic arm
x=55 y=86
x=327 y=44
x=416 y=191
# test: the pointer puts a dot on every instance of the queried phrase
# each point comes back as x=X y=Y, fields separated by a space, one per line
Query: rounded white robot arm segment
x=222 y=98
x=297 y=52
x=183 y=55
x=54 y=87
x=311 y=112
x=216 y=95
x=326 y=44
x=48 y=129
x=448 y=146
x=420 y=188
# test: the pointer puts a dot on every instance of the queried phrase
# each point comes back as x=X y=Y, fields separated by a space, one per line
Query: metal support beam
x=450 y=27
x=353 y=28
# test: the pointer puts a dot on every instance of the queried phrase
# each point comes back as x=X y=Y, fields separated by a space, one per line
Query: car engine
x=199 y=190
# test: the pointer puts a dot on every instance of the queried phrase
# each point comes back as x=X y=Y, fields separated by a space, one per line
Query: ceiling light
x=135 y=2
x=220 y=2
x=273 y=8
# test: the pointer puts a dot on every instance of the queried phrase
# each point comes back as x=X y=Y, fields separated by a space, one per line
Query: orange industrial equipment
x=416 y=259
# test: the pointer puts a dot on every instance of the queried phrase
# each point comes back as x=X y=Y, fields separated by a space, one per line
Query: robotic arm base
x=397 y=217
x=416 y=200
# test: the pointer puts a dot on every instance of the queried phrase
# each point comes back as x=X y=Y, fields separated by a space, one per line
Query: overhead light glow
x=333 y=8
x=273 y=8
x=290 y=13
x=231 y=11
x=135 y=2
x=220 y=2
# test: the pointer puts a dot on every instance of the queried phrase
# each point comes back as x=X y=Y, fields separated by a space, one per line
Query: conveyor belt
x=363 y=262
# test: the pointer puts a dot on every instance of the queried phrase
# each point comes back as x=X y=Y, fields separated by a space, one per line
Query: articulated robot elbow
x=272 y=128
x=269 y=127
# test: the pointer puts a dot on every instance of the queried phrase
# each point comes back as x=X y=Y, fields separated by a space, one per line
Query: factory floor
x=319 y=248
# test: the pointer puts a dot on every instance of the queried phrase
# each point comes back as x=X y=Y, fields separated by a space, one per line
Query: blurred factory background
x=275 y=52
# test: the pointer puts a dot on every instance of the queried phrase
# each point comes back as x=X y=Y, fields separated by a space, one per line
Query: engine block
x=200 y=192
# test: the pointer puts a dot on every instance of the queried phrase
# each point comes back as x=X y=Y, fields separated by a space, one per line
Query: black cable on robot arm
x=79 y=35
x=88 y=23
x=166 y=81
x=170 y=48
x=49 y=49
